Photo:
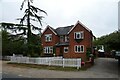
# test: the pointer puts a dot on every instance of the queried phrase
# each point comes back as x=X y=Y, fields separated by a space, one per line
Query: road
x=103 y=68
x=11 y=75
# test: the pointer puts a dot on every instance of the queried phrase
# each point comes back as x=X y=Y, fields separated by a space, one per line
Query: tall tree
x=31 y=13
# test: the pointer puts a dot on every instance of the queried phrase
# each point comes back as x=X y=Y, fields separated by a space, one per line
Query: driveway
x=106 y=66
x=103 y=68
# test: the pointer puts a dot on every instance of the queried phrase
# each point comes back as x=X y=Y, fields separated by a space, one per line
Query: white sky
x=101 y=16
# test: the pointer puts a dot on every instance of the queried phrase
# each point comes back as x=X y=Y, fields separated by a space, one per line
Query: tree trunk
x=28 y=24
x=29 y=30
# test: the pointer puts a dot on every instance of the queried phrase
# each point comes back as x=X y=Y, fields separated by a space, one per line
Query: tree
x=110 y=42
x=5 y=42
x=31 y=13
x=31 y=44
x=11 y=43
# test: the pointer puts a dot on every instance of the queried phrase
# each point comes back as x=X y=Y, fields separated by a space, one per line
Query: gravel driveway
x=103 y=68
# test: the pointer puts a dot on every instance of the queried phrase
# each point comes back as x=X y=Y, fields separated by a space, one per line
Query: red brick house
x=69 y=42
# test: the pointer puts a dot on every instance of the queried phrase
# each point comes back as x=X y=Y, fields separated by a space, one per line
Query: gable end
x=48 y=27
x=78 y=22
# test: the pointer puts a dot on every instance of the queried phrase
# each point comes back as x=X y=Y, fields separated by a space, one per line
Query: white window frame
x=48 y=37
x=79 y=47
x=65 y=49
x=66 y=39
x=61 y=38
x=80 y=33
x=48 y=49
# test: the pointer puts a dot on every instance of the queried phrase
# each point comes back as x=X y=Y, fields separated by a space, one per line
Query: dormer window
x=66 y=39
x=78 y=35
x=61 y=38
x=48 y=37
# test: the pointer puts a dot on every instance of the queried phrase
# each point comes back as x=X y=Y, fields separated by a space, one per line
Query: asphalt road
x=103 y=68
x=11 y=75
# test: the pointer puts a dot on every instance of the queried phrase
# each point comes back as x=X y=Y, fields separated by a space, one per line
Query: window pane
x=78 y=48
x=82 y=49
x=81 y=35
x=44 y=50
x=78 y=35
x=75 y=35
x=51 y=49
x=48 y=37
x=65 y=49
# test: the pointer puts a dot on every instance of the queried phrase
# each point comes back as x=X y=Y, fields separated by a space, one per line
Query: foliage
x=35 y=46
x=88 y=52
x=11 y=44
x=111 y=41
x=31 y=13
x=18 y=43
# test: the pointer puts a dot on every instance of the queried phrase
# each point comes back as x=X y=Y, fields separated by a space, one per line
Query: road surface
x=103 y=68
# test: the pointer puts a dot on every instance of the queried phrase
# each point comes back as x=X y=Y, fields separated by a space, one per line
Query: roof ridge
x=78 y=22
x=65 y=26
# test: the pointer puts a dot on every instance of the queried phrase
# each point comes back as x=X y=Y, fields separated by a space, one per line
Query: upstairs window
x=61 y=38
x=79 y=48
x=48 y=49
x=78 y=35
x=48 y=37
x=66 y=39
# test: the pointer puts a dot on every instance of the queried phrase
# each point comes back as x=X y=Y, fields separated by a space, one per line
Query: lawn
x=59 y=68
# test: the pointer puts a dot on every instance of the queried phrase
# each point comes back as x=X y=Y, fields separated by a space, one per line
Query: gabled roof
x=78 y=22
x=50 y=29
x=63 y=30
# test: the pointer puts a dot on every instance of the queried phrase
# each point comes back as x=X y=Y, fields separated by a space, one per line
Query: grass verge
x=59 y=68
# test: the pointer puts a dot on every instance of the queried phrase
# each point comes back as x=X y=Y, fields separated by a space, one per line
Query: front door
x=61 y=51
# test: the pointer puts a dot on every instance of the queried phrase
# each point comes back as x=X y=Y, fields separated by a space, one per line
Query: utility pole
x=119 y=16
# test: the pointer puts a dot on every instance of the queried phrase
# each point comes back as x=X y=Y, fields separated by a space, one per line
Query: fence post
x=78 y=63
x=63 y=63
x=49 y=61
x=11 y=58
x=27 y=60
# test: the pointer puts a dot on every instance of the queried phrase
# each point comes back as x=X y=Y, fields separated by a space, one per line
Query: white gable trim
x=78 y=22
x=50 y=29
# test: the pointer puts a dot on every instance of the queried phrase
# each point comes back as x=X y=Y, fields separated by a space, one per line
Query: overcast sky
x=100 y=16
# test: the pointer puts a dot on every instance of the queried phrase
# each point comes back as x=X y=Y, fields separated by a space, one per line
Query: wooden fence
x=51 y=61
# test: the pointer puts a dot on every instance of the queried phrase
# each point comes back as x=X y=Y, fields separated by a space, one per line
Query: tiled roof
x=66 y=30
x=63 y=30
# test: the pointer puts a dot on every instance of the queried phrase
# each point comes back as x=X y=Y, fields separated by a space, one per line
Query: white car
x=117 y=55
